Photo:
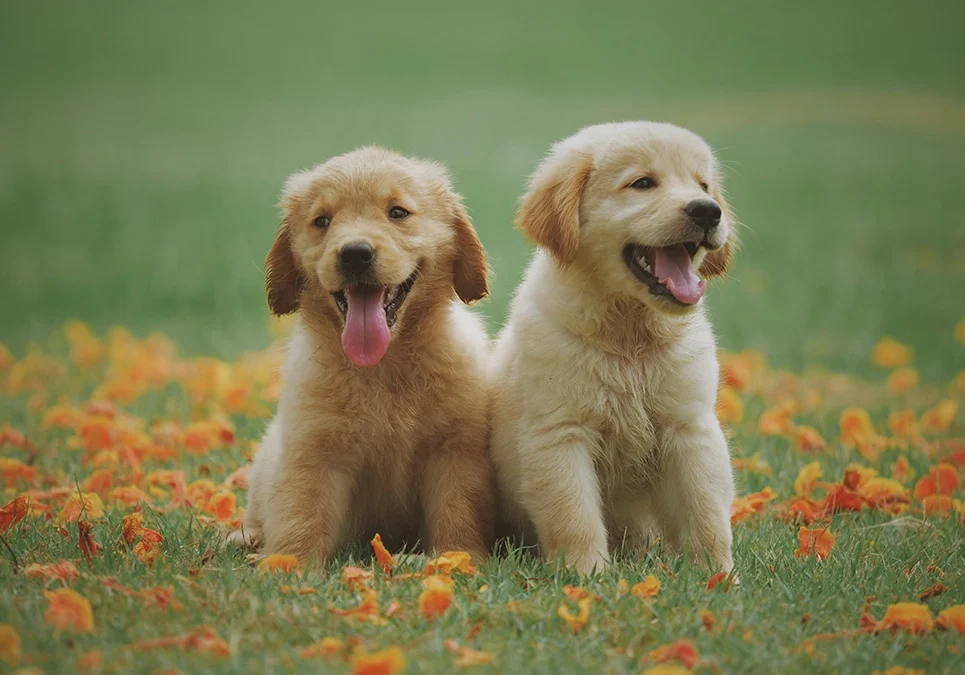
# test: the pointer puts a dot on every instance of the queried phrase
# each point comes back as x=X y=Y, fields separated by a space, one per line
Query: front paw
x=246 y=538
x=586 y=562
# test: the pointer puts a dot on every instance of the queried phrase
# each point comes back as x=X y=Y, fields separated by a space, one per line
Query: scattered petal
x=69 y=610
x=437 y=596
x=908 y=616
x=385 y=662
x=647 y=588
x=382 y=555
x=278 y=563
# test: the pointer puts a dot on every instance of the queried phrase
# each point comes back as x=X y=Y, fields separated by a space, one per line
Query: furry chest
x=626 y=416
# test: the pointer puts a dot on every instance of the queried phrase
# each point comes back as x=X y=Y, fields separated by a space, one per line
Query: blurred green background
x=142 y=147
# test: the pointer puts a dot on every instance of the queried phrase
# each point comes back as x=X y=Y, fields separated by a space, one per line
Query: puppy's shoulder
x=467 y=333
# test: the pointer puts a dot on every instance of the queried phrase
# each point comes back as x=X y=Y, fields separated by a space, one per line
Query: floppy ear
x=717 y=262
x=549 y=214
x=470 y=272
x=283 y=281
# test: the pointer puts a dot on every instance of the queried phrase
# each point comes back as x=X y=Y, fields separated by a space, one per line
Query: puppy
x=605 y=376
x=382 y=419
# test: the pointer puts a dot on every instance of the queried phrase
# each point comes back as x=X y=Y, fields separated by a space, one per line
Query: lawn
x=143 y=148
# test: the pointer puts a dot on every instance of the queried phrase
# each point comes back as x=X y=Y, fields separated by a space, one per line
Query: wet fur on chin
x=400 y=447
x=604 y=429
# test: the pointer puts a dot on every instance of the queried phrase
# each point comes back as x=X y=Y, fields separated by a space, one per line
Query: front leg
x=695 y=490
x=458 y=489
x=306 y=514
x=560 y=492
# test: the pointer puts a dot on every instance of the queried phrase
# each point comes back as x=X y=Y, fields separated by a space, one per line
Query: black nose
x=356 y=258
x=704 y=212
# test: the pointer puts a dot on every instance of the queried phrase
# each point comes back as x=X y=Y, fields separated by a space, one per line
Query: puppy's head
x=638 y=205
x=372 y=235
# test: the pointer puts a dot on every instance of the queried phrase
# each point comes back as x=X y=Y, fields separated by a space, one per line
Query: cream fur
x=603 y=416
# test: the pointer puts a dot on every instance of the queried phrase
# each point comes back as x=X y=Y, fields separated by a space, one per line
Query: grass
x=143 y=151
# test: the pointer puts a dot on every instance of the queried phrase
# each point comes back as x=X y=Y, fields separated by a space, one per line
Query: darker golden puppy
x=382 y=421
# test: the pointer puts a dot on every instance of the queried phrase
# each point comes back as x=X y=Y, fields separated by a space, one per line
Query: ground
x=143 y=151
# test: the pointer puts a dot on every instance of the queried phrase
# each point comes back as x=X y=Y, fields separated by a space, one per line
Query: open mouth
x=391 y=297
x=370 y=312
x=667 y=271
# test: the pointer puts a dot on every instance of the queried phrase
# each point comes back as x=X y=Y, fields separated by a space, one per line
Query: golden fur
x=603 y=416
x=398 y=447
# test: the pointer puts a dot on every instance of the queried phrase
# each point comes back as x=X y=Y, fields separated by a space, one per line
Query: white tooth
x=392 y=295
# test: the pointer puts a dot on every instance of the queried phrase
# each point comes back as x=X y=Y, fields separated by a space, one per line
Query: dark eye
x=704 y=186
x=322 y=222
x=398 y=213
x=644 y=183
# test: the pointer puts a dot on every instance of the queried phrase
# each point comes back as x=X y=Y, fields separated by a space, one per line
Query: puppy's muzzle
x=356 y=262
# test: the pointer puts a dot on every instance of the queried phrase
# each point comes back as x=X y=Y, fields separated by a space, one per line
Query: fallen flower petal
x=933 y=591
x=382 y=555
x=449 y=562
x=817 y=541
x=86 y=504
x=278 y=563
x=806 y=478
x=14 y=512
x=85 y=538
x=890 y=353
x=10 y=650
x=388 y=661
x=69 y=610
x=647 y=588
x=466 y=657
x=575 y=621
x=437 y=596
x=908 y=616
x=683 y=651
x=356 y=578
x=952 y=618
x=807 y=439
x=64 y=571
x=327 y=647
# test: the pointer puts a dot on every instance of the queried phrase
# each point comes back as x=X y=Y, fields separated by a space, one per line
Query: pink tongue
x=672 y=266
x=365 y=338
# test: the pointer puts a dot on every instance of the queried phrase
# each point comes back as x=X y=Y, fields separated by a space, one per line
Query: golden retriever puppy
x=605 y=376
x=382 y=421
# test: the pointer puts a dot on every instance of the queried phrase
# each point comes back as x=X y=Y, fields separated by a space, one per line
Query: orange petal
x=808 y=439
x=817 y=541
x=578 y=620
x=69 y=610
x=278 y=563
x=466 y=657
x=806 y=478
x=356 y=578
x=889 y=353
x=327 y=647
x=437 y=596
x=908 y=616
x=10 y=650
x=382 y=555
x=64 y=571
x=13 y=512
x=952 y=618
x=385 y=662
x=682 y=651
x=647 y=588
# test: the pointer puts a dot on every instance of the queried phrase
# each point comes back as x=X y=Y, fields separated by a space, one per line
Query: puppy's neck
x=614 y=323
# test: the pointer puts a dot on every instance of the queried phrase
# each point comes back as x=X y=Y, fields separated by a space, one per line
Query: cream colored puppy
x=382 y=420
x=605 y=377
